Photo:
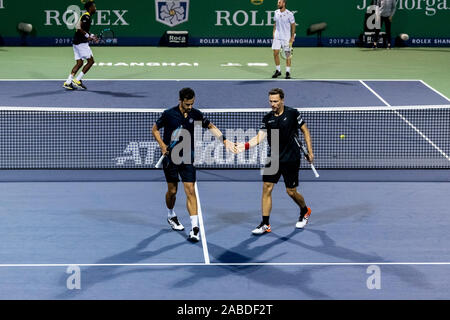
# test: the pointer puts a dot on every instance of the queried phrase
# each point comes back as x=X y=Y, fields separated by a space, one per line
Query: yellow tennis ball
x=342 y=136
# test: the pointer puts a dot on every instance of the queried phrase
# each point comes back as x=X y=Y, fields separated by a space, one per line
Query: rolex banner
x=219 y=22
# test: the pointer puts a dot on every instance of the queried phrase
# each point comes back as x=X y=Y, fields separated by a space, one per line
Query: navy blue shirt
x=288 y=124
x=85 y=24
x=172 y=118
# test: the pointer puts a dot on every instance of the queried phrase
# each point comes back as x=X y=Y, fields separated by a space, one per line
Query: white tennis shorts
x=277 y=44
x=82 y=51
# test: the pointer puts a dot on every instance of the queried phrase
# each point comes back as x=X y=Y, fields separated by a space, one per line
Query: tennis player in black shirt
x=186 y=116
x=285 y=121
x=81 y=48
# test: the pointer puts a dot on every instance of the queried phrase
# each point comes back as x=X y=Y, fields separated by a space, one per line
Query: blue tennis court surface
x=117 y=234
x=115 y=230
x=218 y=94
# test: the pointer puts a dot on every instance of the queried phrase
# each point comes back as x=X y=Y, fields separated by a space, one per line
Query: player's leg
x=266 y=206
x=78 y=64
x=86 y=54
x=171 y=175
x=388 y=24
x=266 y=201
x=290 y=174
x=188 y=176
x=191 y=204
x=296 y=196
x=89 y=64
x=276 y=46
x=171 y=197
x=288 y=67
x=68 y=83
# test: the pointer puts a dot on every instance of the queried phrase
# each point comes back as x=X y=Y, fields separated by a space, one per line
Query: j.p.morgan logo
x=172 y=13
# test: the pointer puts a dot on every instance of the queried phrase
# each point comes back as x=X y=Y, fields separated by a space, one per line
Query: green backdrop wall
x=218 y=22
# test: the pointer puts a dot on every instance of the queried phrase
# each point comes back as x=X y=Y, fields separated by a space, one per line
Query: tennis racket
x=286 y=52
x=106 y=36
x=174 y=140
x=305 y=153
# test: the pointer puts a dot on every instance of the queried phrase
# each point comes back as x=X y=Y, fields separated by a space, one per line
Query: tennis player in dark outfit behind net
x=81 y=48
x=183 y=115
x=287 y=121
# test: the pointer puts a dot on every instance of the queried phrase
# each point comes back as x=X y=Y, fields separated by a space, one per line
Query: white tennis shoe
x=262 y=228
x=194 y=235
x=303 y=220
x=175 y=224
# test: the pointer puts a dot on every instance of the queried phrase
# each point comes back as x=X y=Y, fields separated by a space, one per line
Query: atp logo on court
x=172 y=12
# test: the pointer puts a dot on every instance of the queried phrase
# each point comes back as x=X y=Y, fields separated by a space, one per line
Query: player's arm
x=274 y=29
x=157 y=135
x=307 y=136
x=219 y=136
x=253 y=142
x=293 y=26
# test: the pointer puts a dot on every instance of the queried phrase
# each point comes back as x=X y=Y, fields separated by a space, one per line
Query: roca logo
x=257 y=2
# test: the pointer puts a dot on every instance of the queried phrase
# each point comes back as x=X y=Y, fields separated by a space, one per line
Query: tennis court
x=82 y=206
x=110 y=223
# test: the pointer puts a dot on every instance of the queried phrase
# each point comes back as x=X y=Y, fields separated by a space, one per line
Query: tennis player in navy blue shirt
x=185 y=116
x=286 y=122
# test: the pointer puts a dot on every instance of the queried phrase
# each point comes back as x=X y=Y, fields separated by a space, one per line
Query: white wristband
x=87 y=35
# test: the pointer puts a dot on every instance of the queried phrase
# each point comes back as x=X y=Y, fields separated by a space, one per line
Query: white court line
x=221 y=110
x=431 y=88
x=407 y=122
x=274 y=264
x=267 y=80
x=202 y=227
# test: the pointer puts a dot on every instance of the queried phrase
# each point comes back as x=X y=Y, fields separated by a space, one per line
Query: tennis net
x=343 y=138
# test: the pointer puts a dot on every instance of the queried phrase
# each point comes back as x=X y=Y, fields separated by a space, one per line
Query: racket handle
x=160 y=161
x=316 y=174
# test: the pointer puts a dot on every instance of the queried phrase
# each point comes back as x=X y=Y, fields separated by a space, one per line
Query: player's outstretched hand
x=230 y=146
x=94 y=38
x=240 y=147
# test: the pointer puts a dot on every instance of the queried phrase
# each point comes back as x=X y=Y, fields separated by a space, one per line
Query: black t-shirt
x=171 y=119
x=288 y=124
x=85 y=24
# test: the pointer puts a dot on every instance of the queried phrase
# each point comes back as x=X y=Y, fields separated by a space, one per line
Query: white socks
x=288 y=69
x=194 y=221
x=69 y=79
x=80 y=76
x=171 y=213
x=278 y=68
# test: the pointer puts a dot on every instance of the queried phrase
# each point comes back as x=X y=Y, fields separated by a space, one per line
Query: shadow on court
x=270 y=276
x=44 y=93
x=301 y=280
x=98 y=274
x=118 y=94
x=114 y=94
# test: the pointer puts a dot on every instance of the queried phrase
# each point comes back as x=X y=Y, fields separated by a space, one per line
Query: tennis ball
x=404 y=36
x=342 y=136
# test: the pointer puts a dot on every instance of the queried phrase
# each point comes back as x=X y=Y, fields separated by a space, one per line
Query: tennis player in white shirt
x=283 y=36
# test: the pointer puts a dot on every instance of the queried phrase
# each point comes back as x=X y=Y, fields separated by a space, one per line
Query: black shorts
x=289 y=171
x=187 y=172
